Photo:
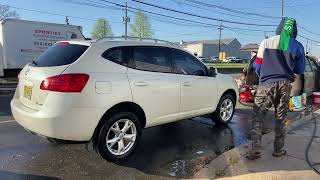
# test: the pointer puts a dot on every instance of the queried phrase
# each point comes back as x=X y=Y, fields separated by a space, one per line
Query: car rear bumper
x=76 y=124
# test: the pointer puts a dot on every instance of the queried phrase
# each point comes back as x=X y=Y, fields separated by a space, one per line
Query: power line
x=308 y=39
x=215 y=11
x=201 y=23
x=207 y=25
x=231 y=10
x=309 y=31
x=91 y=3
x=305 y=5
x=56 y=14
x=252 y=30
x=182 y=19
x=155 y=16
x=176 y=22
x=176 y=18
x=199 y=16
x=170 y=17
x=262 y=34
x=188 y=20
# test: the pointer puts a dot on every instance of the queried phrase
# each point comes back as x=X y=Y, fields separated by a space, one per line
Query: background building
x=251 y=48
x=210 y=48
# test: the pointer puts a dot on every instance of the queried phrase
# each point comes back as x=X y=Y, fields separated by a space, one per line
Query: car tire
x=224 y=113
x=119 y=146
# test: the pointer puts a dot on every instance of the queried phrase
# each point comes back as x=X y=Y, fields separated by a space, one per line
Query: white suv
x=106 y=91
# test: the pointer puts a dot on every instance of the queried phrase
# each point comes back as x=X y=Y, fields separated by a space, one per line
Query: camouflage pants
x=276 y=94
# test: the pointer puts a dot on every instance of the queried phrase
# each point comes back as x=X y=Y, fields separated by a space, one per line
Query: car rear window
x=60 y=54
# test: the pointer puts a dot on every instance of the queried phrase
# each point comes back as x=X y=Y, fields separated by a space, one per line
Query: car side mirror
x=212 y=72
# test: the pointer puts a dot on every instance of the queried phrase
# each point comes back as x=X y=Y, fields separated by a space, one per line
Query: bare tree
x=141 y=26
x=101 y=29
x=6 y=12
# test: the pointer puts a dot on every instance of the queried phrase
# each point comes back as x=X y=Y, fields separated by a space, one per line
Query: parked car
x=106 y=91
x=234 y=60
x=226 y=60
x=209 y=61
x=203 y=59
x=214 y=59
x=308 y=83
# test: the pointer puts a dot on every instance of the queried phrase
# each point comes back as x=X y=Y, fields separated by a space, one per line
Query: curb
x=217 y=167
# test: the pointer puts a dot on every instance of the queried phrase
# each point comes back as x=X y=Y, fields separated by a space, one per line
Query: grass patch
x=226 y=65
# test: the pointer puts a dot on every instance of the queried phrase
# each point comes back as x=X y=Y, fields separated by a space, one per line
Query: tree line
x=141 y=27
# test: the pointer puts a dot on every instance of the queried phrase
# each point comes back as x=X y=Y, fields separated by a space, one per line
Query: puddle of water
x=178 y=168
x=200 y=152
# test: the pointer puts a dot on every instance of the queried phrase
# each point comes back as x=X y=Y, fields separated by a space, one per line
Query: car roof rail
x=137 y=39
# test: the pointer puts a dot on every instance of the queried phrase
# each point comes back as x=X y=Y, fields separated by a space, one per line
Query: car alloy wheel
x=226 y=109
x=121 y=137
x=118 y=137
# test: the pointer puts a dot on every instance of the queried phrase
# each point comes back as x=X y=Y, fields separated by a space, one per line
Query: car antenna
x=34 y=62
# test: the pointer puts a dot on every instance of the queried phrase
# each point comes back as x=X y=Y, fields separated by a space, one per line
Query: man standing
x=278 y=59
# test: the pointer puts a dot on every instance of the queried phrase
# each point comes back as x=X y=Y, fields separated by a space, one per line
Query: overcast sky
x=263 y=12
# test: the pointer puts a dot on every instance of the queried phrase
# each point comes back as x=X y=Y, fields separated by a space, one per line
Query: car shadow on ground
x=181 y=148
x=12 y=175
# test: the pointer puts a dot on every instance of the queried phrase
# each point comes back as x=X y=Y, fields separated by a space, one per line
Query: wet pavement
x=172 y=150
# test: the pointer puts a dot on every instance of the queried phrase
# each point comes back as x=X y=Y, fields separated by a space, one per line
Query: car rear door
x=315 y=69
x=309 y=78
x=198 y=91
x=153 y=84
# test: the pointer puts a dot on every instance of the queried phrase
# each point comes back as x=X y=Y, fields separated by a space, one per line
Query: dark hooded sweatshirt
x=280 y=56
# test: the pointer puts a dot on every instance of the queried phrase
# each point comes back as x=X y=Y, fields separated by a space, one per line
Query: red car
x=308 y=83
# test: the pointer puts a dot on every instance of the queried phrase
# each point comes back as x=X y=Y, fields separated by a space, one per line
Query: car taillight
x=244 y=88
x=65 y=83
x=62 y=43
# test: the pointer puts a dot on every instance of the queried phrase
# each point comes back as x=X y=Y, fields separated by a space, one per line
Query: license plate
x=27 y=92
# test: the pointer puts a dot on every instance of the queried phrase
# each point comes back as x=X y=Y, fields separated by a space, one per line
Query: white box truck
x=22 y=41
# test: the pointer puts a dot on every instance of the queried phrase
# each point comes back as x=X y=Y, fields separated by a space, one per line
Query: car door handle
x=141 y=83
x=187 y=83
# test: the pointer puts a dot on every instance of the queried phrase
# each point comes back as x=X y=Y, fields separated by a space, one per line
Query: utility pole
x=126 y=19
x=67 y=20
x=104 y=28
x=219 y=45
x=307 y=46
x=282 y=9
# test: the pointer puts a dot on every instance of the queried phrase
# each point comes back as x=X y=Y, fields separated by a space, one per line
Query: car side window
x=187 y=64
x=117 y=55
x=151 y=58
x=308 y=67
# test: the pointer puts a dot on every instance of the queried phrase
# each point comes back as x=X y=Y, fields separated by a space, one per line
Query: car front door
x=198 y=91
x=153 y=84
